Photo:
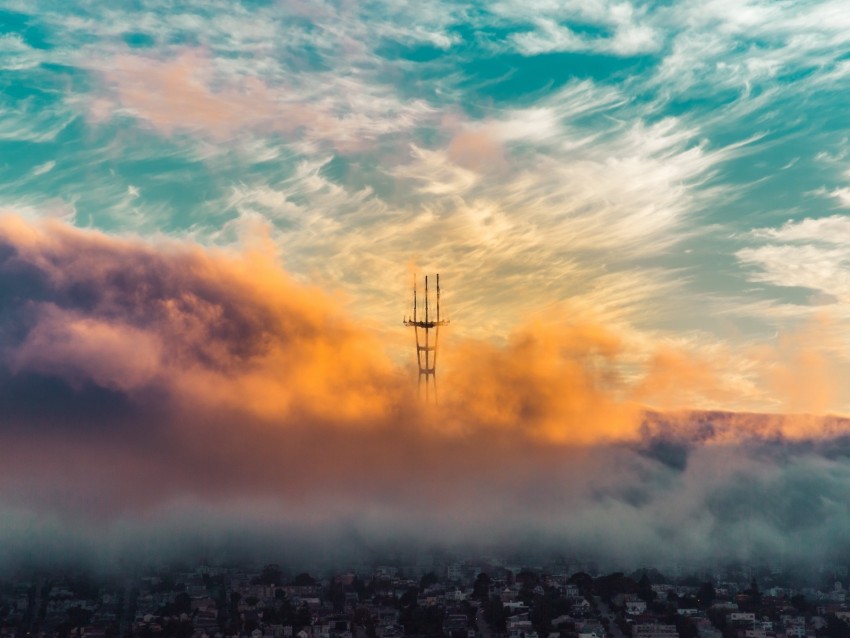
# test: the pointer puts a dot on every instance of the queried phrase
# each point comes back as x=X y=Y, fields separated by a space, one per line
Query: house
x=580 y=606
x=741 y=618
x=635 y=606
x=653 y=630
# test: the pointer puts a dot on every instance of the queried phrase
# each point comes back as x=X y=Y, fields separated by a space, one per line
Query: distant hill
x=718 y=426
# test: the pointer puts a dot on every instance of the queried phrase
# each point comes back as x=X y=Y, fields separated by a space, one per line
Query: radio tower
x=426 y=355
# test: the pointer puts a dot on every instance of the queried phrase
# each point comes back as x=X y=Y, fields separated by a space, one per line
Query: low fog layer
x=171 y=398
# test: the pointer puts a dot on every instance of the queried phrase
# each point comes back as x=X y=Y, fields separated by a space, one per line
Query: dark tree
x=481 y=587
x=409 y=598
x=583 y=581
x=706 y=595
x=427 y=580
x=79 y=616
x=799 y=602
x=166 y=584
x=272 y=616
x=644 y=589
x=835 y=628
x=336 y=594
x=546 y=608
x=685 y=626
x=303 y=617
x=609 y=586
x=754 y=593
x=271 y=575
x=182 y=603
x=494 y=614
x=528 y=579
x=304 y=580
x=251 y=624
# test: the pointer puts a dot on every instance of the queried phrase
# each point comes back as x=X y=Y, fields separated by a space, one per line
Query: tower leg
x=434 y=380
x=436 y=344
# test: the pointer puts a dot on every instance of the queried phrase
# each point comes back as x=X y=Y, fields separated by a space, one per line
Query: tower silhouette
x=426 y=354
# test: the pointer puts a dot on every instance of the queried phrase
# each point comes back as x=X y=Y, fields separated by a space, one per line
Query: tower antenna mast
x=426 y=352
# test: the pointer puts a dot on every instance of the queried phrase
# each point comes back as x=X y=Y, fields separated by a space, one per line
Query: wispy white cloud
x=544 y=228
x=809 y=266
x=41 y=169
x=842 y=195
x=436 y=173
x=17 y=55
x=813 y=254
x=27 y=122
x=626 y=32
x=734 y=44
x=834 y=229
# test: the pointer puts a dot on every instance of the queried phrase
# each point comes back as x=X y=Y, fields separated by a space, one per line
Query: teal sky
x=678 y=171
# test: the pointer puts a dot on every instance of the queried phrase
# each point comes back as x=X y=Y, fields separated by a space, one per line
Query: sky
x=212 y=213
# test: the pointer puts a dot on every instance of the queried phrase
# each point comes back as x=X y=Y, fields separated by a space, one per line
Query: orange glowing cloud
x=801 y=368
x=138 y=376
x=215 y=329
x=558 y=383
